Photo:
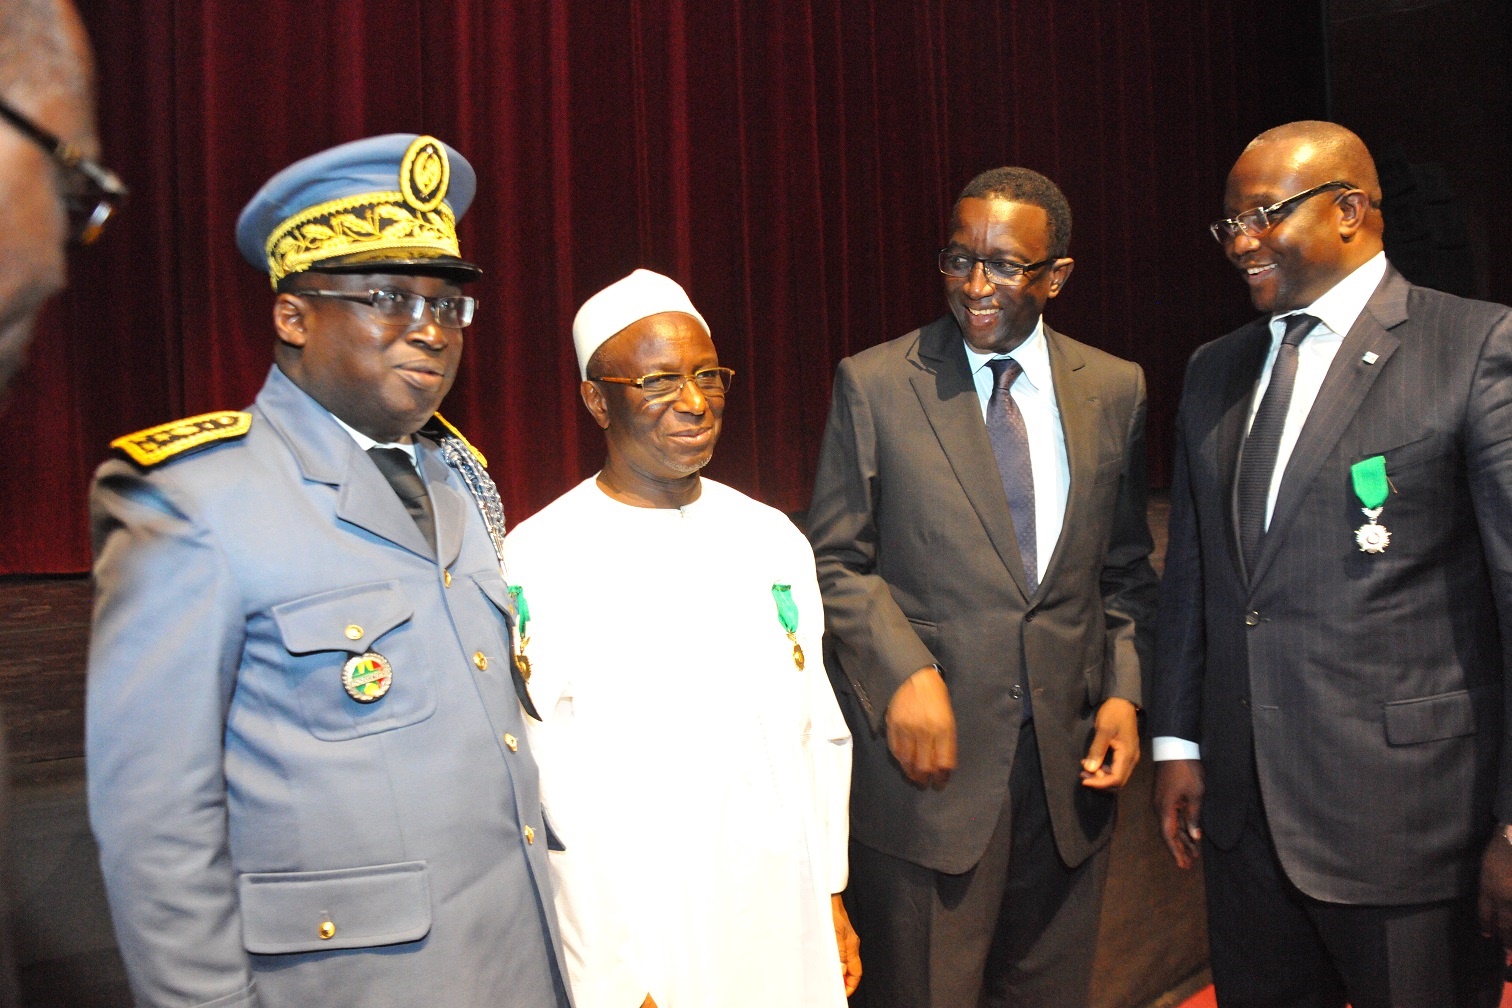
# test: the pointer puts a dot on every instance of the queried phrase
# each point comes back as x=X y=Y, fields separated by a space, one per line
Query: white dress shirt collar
x=364 y=442
x=1342 y=303
x=1033 y=355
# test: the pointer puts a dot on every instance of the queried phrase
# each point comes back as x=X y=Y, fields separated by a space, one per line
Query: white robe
x=697 y=778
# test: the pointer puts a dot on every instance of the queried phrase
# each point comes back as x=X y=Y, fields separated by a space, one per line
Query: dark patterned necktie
x=1257 y=463
x=399 y=470
x=1010 y=445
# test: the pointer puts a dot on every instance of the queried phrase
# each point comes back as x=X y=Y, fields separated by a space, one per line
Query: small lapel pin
x=1370 y=357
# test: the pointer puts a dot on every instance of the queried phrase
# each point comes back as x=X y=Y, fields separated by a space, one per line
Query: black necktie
x=400 y=472
x=1010 y=445
x=1257 y=464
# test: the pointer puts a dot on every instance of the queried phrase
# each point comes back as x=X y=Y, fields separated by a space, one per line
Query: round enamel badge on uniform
x=366 y=677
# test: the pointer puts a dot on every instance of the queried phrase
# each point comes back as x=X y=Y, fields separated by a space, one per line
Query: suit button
x=446 y=578
x=1016 y=691
x=327 y=930
x=481 y=660
x=353 y=632
x=512 y=742
x=529 y=835
x=1244 y=702
x=1029 y=616
x=1252 y=618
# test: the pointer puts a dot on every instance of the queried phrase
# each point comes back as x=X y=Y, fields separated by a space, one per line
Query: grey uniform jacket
x=1364 y=692
x=242 y=800
x=919 y=564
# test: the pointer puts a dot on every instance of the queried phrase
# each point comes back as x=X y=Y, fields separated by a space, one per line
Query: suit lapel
x=950 y=403
x=1238 y=395
x=449 y=504
x=1349 y=378
x=1080 y=413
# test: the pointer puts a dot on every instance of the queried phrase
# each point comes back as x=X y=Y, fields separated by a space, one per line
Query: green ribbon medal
x=522 y=623
x=787 y=615
x=1372 y=487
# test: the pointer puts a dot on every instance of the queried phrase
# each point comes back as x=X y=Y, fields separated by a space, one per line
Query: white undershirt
x=1034 y=392
x=1336 y=311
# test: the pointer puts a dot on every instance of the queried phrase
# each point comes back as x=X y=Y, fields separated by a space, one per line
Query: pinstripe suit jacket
x=1365 y=691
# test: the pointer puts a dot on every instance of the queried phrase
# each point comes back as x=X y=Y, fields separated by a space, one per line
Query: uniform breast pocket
x=324 y=632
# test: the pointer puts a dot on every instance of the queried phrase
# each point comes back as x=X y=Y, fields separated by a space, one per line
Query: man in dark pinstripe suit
x=1328 y=704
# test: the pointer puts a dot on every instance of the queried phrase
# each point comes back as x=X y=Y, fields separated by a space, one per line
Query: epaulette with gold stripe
x=458 y=434
x=158 y=444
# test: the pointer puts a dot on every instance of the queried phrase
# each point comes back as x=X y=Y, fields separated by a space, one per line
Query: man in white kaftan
x=694 y=763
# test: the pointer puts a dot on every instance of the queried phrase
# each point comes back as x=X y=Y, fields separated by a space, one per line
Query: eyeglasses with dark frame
x=91 y=192
x=1261 y=219
x=1000 y=272
x=664 y=385
x=400 y=307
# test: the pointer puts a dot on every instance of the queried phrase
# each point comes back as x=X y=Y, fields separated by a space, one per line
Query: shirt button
x=327 y=930
x=1252 y=618
x=481 y=660
x=353 y=632
x=512 y=742
x=446 y=578
x=529 y=835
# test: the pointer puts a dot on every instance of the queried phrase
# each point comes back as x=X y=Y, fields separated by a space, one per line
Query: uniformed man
x=308 y=772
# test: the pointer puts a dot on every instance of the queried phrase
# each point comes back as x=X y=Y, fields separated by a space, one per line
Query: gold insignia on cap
x=413 y=219
x=424 y=174
x=158 y=444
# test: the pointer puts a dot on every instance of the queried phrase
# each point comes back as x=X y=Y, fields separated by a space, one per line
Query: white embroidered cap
x=623 y=303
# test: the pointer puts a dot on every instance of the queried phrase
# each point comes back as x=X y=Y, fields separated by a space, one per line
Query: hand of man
x=921 y=730
x=848 y=943
x=1178 y=800
x=1116 y=730
x=1496 y=890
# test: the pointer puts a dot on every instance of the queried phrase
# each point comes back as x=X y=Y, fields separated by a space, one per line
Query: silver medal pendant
x=1372 y=537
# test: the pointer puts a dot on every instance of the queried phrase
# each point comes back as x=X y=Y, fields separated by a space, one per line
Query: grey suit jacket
x=1364 y=690
x=241 y=799
x=919 y=565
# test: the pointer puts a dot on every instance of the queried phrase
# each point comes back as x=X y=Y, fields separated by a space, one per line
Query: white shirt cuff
x=1169 y=747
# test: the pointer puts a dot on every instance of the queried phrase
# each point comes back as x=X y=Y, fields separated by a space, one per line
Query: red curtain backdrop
x=791 y=162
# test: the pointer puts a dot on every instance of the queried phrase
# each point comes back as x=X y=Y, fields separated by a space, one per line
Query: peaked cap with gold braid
x=387 y=204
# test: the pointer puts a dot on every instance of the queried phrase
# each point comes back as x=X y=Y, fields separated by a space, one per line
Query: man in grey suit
x=979 y=523
x=1337 y=607
x=308 y=769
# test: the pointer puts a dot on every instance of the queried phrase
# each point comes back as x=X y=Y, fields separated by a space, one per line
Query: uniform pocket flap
x=1426 y=719
x=357 y=907
x=497 y=592
x=348 y=619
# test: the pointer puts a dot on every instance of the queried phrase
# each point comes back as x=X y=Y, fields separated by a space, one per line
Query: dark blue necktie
x=1010 y=445
x=399 y=469
x=1257 y=463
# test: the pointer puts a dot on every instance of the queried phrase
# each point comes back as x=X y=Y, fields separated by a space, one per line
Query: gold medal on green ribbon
x=1372 y=488
x=787 y=615
x=521 y=623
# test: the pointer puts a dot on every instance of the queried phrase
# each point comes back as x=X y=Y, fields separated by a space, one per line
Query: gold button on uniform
x=446 y=578
x=354 y=632
x=327 y=929
x=512 y=742
x=529 y=835
x=481 y=660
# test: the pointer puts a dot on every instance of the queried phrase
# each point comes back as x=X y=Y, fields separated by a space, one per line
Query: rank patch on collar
x=158 y=444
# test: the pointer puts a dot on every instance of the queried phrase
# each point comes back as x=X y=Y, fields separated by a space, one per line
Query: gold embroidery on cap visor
x=414 y=219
